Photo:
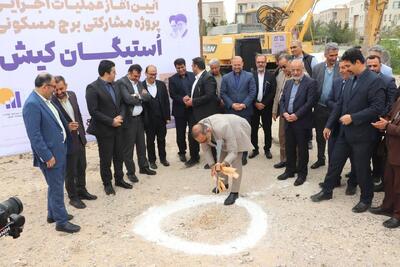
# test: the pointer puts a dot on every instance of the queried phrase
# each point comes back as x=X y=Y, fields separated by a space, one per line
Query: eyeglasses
x=152 y=74
x=52 y=86
x=293 y=47
x=282 y=67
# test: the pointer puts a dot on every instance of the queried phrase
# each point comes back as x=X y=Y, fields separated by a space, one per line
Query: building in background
x=356 y=16
x=214 y=12
x=391 y=17
x=338 y=14
x=245 y=10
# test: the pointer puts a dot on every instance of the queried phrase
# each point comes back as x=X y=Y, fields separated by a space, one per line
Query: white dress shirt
x=67 y=106
x=137 y=109
x=152 y=88
x=195 y=82
x=56 y=115
x=260 y=85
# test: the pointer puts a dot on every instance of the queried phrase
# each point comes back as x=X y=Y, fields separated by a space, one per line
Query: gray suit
x=133 y=126
x=235 y=133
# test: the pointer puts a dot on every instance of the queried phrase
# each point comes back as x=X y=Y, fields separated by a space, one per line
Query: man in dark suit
x=238 y=91
x=203 y=99
x=324 y=73
x=360 y=105
x=104 y=104
x=158 y=111
x=266 y=88
x=378 y=157
x=133 y=95
x=298 y=98
x=75 y=175
x=180 y=86
x=48 y=133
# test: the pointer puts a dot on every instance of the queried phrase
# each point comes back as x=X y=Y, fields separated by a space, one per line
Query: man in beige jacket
x=234 y=132
x=281 y=78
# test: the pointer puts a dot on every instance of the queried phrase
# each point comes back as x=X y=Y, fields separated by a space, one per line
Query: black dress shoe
x=231 y=199
x=69 y=217
x=153 y=165
x=268 y=154
x=285 y=176
x=146 y=170
x=84 y=194
x=379 y=187
x=123 y=184
x=244 y=161
x=280 y=165
x=360 y=207
x=392 y=223
x=68 y=228
x=379 y=211
x=253 y=154
x=77 y=203
x=109 y=190
x=164 y=162
x=207 y=167
x=321 y=196
x=133 y=178
x=191 y=162
x=216 y=191
x=182 y=157
x=317 y=164
x=351 y=190
x=299 y=181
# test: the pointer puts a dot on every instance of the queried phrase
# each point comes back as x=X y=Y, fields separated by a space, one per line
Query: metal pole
x=201 y=26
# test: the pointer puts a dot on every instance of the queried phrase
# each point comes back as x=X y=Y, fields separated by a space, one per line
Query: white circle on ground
x=148 y=226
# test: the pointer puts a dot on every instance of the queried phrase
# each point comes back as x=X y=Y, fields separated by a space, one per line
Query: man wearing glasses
x=48 y=133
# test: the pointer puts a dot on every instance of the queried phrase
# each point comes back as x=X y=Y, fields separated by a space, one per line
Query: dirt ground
x=299 y=232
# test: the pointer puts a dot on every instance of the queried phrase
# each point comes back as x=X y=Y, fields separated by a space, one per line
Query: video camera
x=11 y=223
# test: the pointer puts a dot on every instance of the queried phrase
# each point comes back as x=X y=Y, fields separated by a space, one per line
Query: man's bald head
x=201 y=133
x=237 y=64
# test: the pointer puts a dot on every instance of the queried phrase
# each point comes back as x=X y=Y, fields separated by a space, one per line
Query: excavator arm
x=373 y=19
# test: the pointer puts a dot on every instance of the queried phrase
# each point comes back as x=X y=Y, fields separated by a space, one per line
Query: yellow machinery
x=276 y=30
x=372 y=22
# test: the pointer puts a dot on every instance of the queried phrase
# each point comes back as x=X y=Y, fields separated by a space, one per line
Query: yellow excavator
x=281 y=26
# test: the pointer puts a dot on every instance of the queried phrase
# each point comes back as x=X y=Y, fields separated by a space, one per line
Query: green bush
x=392 y=46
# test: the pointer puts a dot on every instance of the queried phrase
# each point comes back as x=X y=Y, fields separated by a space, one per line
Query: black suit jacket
x=390 y=92
x=269 y=89
x=334 y=96
x=205 y=100
x=129 y=102
x=304 y=101
x=77 y=140
x=365 y=102
x=162 y=97
x=177 y=91
x=102 y=109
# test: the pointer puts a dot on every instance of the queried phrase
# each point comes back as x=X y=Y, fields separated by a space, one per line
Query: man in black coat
x=133 y=96
x=361 y=103
x=266 y=88
x=158 y=115
x=180 y=86
x=75 y=174
x=104 y=104
x=204 y=101
x=297 y=101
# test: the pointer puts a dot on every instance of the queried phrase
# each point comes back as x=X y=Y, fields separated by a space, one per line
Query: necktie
x=111 y=91
x=353 y=85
